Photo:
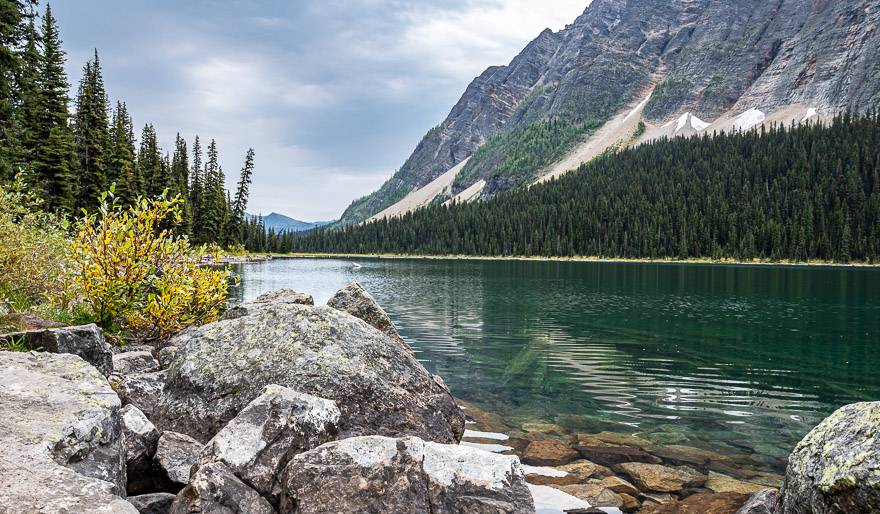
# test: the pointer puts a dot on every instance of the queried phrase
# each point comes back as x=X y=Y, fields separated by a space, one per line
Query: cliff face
x=702 y=56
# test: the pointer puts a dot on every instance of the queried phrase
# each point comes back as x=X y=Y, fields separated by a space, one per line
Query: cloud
x=332 y=94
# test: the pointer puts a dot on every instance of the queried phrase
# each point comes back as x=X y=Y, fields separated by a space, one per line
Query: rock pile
x=288 y=407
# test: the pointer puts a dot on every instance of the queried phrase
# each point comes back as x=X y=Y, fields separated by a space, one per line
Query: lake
x=733 y=358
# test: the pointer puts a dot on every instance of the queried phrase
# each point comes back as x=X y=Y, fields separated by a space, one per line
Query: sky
x=333 y=95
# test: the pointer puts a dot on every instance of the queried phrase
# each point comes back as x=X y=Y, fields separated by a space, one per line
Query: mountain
x=626 y=72
x=282 y=223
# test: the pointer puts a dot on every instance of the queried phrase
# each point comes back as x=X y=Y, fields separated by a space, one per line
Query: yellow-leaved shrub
x=134 y=273
x=32 y=247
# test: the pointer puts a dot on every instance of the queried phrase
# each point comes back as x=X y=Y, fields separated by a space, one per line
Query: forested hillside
x=69 y=158
x=808 y=192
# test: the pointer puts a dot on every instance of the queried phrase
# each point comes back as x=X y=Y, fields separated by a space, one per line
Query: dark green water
x=743 y=359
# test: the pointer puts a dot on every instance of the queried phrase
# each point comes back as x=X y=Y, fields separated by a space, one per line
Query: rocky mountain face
x=707 y=57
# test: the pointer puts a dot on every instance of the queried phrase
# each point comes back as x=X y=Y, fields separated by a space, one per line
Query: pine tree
x=180 y=181
x=54 y=158
x=195 y=189
x=149 y=163
x=92 y=135
x=28 y=92
x=235 y=226
x=214 y=206
x=12 y=15
x=122 y=168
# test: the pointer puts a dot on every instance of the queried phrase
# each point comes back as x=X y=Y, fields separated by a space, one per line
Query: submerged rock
x=376 y=382
x=725 y=484
x=835 y=467
x=400 y=476
x=664 y=479
x=595 y=494
x=358 y=302
x=258 y=443
x=61 y=442
x=176 y=454
x=214 y=489
x=700 y=503
x=86 y=341
x=548 y=453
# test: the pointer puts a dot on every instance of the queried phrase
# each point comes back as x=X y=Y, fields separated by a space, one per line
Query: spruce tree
x=180 y=181
x=149 y=163
x=235 y=227
x=122 y=169
x=54 y=158
x=28 y=92
x=92 y=135
x=214 y=207
x=13 y=13
x=195 y=190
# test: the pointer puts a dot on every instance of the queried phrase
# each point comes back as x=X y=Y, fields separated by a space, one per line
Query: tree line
x=804 y=192
x=70 y=158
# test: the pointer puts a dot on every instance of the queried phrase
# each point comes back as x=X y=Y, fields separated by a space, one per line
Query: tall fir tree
x=27 y=116
x=122 y=169
x=180 y=181
x=151 y=170
x=54 y=159
x=236 y=225
x=214 y=205
x=92 y=135
x=12 y=17
x=195 y=189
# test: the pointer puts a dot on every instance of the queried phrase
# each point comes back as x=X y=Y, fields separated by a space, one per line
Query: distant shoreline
x=573 y=259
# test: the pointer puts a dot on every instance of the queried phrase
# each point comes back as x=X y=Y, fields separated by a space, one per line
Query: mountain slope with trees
x=707 y=57
x=809 y=192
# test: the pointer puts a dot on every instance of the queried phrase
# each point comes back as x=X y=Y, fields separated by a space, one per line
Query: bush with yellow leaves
x=32 y=247
x=135 y=274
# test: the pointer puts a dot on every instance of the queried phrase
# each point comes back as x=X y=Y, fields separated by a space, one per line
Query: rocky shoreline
x=283 y=406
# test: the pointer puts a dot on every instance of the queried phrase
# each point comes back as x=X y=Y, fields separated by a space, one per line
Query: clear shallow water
x=739 y=359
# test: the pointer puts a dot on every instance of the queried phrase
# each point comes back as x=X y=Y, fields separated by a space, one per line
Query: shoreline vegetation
x=585 y=259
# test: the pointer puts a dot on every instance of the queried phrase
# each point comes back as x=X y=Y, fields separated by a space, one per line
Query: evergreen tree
x=27 y=113
x=195 y=189
x=92 y=135
x=180 y=180
x=235 y=228
x=214 y=206
x=54 y=157
x=151 y=171
x=122 y=166
x=12 y=16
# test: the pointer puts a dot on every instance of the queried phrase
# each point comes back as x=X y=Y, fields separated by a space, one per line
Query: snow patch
x=748 y=119
x=810 y=113
x=688 y=120
x=492 y=448
x=476 y=434
x=544 y=471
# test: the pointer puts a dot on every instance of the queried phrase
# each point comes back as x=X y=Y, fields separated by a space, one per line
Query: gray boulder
x=176 y=454
x=143 y=390
x=762 y=502
x=86 y=341
x=214 y=489
x=153 y=503
x=134 y=362
x=273 y=297
x=836 y=467
x=141 y=438
x=381 y=474
x=358 y=302
x=258 y=443
x=376 y=382
x=61 y=440
x=166 y=356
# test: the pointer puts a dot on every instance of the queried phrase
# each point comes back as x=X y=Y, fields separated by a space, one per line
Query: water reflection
x=737 y=357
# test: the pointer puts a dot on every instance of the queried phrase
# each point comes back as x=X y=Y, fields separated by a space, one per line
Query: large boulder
x=141 y=438
x=86 y=341
x=153 y=503
x=273 y=297
x=258 y=443
x=134 y=362
x=381 y=474
x=358 y=302
x=61 y=441
x=376 y=382
x=215 y=489
x=176 y=454
x=836 y=467
x=143 y=390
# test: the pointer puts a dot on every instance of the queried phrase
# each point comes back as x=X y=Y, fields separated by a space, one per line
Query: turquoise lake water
x=743 y=359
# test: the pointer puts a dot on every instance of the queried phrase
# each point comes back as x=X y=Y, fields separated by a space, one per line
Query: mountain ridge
x=708 y=58
x=282 y=223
